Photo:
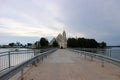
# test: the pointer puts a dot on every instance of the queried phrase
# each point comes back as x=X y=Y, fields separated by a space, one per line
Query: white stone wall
x=62 y=40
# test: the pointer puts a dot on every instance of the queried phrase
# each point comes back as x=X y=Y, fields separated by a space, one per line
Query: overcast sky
x=28 y=20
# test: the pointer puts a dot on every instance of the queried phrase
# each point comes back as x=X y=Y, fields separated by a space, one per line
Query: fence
x=9 y=59
x=101 y=57
x=110 y=52
x=20 y=67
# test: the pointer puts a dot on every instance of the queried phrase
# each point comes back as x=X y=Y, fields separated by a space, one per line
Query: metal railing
x=12 y=58
x=20 y=67
x=9 y=59
x=113 y=53
x=101 y=57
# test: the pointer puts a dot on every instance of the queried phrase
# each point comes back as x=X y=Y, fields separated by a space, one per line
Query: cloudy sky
x=28 y=20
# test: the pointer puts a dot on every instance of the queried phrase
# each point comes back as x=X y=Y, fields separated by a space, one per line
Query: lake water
x=11 y=49
x=114 y=52
x=16 y=57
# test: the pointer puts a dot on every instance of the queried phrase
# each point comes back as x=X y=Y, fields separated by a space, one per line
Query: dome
x=60 y=35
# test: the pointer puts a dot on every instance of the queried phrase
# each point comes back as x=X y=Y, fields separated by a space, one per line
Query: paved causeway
x=66 y=65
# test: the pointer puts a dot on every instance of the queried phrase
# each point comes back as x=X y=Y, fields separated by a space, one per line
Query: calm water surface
x=114 y=52
x=15 y=58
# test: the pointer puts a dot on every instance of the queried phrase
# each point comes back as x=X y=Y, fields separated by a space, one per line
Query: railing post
x=91 y=57
x=102 y=62
x=34 y=63
x=81 y=53
x=21 y=77
x=9 y=61
x=85 y=54
x=110 y=52
x=34 y=52
x=42 y=58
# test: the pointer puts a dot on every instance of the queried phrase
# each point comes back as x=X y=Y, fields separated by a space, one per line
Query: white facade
x=62 y=40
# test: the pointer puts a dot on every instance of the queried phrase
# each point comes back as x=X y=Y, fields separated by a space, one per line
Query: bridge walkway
x=67 y=65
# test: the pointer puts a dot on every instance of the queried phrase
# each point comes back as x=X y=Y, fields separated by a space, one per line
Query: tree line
x=71 y=42
x=84 y=43
x=44 y=43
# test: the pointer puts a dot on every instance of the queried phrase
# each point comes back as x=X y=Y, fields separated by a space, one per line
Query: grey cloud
x=99 y=19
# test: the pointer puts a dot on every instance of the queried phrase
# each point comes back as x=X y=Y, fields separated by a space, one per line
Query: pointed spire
x=64 y=31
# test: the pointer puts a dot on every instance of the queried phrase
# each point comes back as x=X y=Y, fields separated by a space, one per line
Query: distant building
x=4 y=46
x=61 y=39
x=37 y=44
x=51 y=42
x=33 y=46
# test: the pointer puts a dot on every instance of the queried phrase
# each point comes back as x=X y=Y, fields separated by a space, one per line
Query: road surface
x=67 y=65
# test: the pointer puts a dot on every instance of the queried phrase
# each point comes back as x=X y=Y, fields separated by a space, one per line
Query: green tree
x=11 y=44
x=102 y=44
x=44 y=42
x=29 y=44
x=55 y=44
x=82 y=43
x=72 y=42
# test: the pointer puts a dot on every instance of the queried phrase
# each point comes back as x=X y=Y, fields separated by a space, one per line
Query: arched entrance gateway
x=61 y=47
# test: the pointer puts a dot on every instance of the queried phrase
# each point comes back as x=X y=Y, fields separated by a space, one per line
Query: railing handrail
x=105 y=58
x=12 y=52
x=97 y=49
x=8 y=74
x=2 y=53
x=23 y=50
x=10 y=55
